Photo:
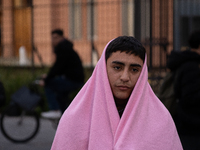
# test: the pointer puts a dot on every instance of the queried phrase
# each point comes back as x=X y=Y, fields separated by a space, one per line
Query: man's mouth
x=122 y=87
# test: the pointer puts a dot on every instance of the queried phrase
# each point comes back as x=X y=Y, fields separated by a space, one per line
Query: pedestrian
x=187 y=88
x=65 y=75
x=116 y=109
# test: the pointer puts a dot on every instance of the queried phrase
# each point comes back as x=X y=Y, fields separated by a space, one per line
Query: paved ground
x=42 y=141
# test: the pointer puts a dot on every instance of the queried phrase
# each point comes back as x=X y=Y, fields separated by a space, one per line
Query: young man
x=117 y=109
x=65 y=75
x=187 y=88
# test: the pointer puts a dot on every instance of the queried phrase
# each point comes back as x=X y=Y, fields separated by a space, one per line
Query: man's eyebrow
x=136 y=65
x=118 y=62
x=121 y=63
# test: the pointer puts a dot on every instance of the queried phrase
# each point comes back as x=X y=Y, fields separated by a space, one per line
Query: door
x=22 y=27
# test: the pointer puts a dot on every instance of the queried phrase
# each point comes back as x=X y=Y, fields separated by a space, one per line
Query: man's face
x=56 y=39
x=123 y=72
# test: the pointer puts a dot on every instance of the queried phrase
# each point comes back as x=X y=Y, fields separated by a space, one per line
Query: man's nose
x=125 y=76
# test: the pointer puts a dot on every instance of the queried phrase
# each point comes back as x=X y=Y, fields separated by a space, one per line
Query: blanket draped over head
x=92 y=121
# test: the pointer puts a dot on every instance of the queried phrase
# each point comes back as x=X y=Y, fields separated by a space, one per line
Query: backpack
x=166 y=92
x=2 y=95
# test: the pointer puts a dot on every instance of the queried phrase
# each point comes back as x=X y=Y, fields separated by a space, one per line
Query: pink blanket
x=92 y=121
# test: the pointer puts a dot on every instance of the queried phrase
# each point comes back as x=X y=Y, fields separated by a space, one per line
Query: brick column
x=7 y=29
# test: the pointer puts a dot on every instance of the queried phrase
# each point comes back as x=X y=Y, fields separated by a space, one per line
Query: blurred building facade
x=161 y=25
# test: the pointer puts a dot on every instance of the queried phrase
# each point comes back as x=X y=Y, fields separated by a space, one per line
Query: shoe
x=52 y=114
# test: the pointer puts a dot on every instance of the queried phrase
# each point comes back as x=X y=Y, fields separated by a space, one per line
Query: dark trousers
x=188 y=130
x=190 y=142
x=57 y=92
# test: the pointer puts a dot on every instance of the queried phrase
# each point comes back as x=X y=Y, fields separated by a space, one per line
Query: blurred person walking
x=187 y=89
x=65 y=75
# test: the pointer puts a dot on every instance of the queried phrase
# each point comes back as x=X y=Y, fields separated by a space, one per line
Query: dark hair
x=57 y=31
x=126 y=44
x=194 y=39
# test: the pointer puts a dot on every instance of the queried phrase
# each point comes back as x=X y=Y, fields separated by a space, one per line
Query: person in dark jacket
x=187 y=89
x=65 y=75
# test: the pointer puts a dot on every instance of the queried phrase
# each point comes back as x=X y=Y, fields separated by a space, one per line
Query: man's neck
x=120 y=103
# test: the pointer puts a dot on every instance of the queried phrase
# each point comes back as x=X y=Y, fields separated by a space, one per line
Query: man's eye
x=117 y=67
x=135 y=70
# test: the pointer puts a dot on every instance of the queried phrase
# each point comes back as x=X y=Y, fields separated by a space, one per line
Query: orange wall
x=51 y=14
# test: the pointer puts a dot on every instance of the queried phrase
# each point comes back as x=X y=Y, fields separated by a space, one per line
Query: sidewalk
x=42 y=141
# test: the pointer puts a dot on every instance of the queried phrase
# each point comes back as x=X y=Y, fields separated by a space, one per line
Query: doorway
x=22 y=26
